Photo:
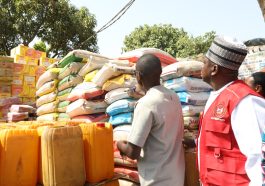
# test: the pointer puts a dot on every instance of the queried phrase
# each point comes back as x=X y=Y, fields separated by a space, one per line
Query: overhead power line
x=112 y=21
x=117 y=16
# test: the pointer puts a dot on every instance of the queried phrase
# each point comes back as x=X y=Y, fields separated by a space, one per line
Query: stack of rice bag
x=21 y=113
x=124 y=166
x=121 y=104
x=47 y=95
x=184 y=78
x=68 y=80
x=86 y=100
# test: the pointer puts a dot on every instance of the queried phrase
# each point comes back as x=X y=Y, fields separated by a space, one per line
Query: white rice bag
x=191 y=110
x=183 y=68
x=82 y=107
x=193 y=98
x=117 y=94
x=187 y=84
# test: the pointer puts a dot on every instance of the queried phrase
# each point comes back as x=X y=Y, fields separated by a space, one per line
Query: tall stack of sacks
x=124 y=166
x=87 y=103
x=79 y=104
x=88 y=98
x=121 y=104
x=47 y=102
x=184 y=78
x=68 y=80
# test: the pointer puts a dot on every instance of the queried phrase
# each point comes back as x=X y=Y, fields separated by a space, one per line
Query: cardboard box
x=32 y=70
x=5 y=91
x=20 y=69
x=6 y=65
x=17 y=90
x=32 y=93
x=29 y=91
x=33 y=61
x=44 y=61
x=6 y=59
x=23 y=91
x=30 y=80
x=18 y=80
x=21 y=59
x=40 y=54
x=28 y=100
x=26 y=51
x=19 y=50
x=7 y=79
x=6 y=72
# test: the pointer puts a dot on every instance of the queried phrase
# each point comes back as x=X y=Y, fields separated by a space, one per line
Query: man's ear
x=139 y=79
x=214 y=69
x=258 y=88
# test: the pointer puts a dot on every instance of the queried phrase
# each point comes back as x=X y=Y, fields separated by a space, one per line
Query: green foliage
x=175 y=41
x=40 y=45
x=57 y=23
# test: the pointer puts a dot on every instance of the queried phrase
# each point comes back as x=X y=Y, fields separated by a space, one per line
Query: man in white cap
x=229 y=142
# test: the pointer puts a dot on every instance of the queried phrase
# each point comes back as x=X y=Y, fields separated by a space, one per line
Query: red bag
x=91 y=118
x=124 y=162
x=85 y=90
x=130 y=174
x=134 y=55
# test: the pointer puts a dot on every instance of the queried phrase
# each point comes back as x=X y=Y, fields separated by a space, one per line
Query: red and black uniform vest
x=221 y=162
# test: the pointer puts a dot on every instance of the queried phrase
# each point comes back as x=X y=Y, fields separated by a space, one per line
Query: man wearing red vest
x=229 y=142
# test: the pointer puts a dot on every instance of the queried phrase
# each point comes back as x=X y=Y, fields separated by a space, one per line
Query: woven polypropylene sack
x=85 y=90
x=188 y=84
x=72 y=68
x=182 y=68
x=47 y=76
x=47 y=88
x=46 y=99
x=122 y=81
x=117 y=94
x=69 y=81
x=82 y=107
x=121 y=106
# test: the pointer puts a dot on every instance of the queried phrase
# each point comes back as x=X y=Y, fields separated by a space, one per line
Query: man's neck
x=147 y=87
x=218 y=85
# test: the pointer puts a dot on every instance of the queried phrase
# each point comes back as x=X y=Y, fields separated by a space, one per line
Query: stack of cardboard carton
x=18 y=76
x=28 y=65
x=6 y=76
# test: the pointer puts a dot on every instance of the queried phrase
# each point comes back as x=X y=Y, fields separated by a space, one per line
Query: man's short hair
x=149 y=65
